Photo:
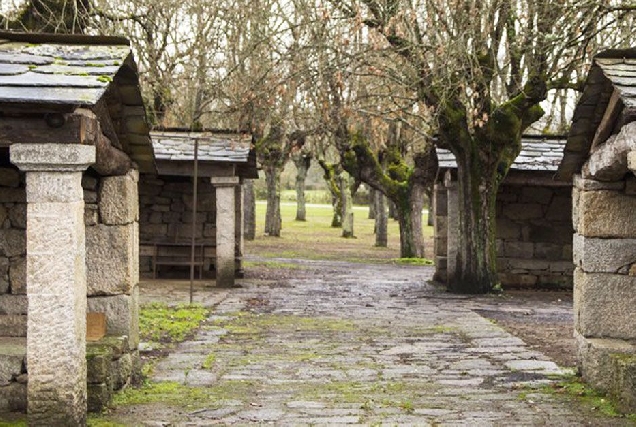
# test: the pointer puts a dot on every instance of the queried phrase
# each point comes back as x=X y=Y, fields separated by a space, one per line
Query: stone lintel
x=587 y=184
x=225 y=181
x=52 y=157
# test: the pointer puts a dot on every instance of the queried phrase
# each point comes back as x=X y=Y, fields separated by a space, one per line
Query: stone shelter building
x=534 y=231
x=600 y=159
x=169 y=200
x=73 y=140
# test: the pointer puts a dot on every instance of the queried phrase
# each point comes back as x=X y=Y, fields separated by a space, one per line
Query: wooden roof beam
x=610 y=118
x=53 y=128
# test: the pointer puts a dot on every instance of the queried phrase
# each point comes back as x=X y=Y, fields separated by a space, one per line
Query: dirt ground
x=548 y=329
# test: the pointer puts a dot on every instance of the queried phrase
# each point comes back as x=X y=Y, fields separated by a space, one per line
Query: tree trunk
x=273 y=221
x=381 y=219
x=429 y=216
x=249 y=209
x=302 y=163
x=336 y=220
x=393 y=212
x=372 y=202
x=475 y=264
x=331 y=178
x=409 y=213
x=347 y=205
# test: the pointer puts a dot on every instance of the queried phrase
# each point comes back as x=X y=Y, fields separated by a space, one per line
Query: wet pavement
x=336 y=343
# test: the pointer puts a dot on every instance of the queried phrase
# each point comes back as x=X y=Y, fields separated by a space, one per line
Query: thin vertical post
x=194 y=216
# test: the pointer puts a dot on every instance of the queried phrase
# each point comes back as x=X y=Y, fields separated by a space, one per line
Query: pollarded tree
x=484 y=68
x=356 y=108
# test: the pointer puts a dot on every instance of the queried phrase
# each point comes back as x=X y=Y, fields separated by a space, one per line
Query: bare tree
x=370 y=118
x=482 y=70
x=50 y=16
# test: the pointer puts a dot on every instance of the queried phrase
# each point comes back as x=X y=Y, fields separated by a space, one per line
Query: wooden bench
x=178 y=254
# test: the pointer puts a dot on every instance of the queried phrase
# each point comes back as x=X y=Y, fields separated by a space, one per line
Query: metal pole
x=194 y=215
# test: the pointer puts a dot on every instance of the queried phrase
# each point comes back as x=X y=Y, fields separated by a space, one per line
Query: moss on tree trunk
x=273 y=223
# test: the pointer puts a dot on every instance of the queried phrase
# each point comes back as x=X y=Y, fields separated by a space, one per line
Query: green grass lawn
x=316 y=239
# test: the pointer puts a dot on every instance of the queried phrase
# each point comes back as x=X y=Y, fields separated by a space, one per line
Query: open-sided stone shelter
x=600 y=158
x=167 y=205
x=73 y=140
x=534 y=231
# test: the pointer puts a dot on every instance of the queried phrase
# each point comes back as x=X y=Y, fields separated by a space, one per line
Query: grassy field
x=316 y=239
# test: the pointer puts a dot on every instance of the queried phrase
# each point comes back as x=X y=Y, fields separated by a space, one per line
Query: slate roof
x=59 y=73
x=612 y=70
x=213 y=146
x=538 y=153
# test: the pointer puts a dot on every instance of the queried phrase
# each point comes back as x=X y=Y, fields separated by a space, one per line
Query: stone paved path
x=364 y=345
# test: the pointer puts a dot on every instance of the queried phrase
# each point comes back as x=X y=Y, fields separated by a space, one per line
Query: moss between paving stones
x=179 y=395
x=256 y=324
x=594 y=400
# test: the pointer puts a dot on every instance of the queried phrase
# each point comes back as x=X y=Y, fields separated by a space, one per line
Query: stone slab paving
x=362 y=345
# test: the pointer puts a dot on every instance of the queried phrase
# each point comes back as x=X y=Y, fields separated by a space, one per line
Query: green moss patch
x=589 y=397
x=256 y=324
x=160 y=323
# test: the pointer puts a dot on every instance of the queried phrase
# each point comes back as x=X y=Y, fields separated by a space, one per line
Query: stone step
x=13 y=397
x=13 y=325
x=13 y=304
x=12 y=358
x=13 y=394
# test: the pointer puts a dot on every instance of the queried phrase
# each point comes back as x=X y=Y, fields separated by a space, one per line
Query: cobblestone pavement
x=338 y=343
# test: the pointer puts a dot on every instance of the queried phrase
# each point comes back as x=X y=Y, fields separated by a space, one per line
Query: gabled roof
x=44 y=73
x=213 y=146
x=538 y=153
x=57 y=71
x=218 y=147
x=607 y=103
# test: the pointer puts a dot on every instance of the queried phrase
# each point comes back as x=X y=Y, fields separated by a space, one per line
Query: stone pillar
x=225 y=229
x=452 y=227
x=56 y=280
x=604 y=250
x=440 y=225
x=240 y=235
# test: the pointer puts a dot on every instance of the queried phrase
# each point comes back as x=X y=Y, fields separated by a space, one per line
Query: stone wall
x=605 y=285
x=165 y=212
x=112 y=260
x=12 y=252
x=534 y=235
x=111 y=218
